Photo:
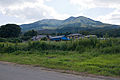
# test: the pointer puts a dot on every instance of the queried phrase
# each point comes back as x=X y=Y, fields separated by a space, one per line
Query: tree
x=30 y=33
x=10 y=31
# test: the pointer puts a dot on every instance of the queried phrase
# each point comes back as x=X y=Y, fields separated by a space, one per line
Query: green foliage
x=2 y=40
x=80 y=45
x=12 y=40
x=108 y=50
x=25 y=38
x=44 y=39
x=10 y=31
x=30 y=33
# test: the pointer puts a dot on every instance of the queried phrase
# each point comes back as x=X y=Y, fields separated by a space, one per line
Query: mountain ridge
x=80 y=21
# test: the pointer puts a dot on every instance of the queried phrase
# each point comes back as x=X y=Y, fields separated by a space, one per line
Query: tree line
x=13 y=33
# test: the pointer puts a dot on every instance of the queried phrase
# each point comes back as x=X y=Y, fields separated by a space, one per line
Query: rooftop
x=76 y=34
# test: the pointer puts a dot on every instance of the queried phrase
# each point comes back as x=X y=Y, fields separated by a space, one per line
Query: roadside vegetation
x=91 y=56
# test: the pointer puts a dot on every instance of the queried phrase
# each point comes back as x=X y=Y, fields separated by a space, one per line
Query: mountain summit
x=80 y=21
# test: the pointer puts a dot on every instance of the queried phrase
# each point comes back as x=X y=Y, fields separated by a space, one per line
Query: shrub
x=103 y=46
x=2 y=40
x=113 y=49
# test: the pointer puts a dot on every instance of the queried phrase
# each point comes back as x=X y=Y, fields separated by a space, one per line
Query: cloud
x=29 y=10
x=113 y=17
x=7 y=3
x=96 y=3
x=33 y=10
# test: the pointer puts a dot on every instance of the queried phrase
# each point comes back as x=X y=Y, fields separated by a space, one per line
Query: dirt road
x=19 y=72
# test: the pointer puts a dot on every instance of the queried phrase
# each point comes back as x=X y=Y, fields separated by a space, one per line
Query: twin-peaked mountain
x=71 y=23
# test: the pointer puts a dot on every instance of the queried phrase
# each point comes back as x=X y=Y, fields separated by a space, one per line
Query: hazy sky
x=27 y=11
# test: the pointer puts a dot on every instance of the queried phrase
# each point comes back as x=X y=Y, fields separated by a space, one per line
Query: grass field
x=80 y=56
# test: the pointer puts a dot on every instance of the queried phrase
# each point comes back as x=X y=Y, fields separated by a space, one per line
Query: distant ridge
x=71 y=22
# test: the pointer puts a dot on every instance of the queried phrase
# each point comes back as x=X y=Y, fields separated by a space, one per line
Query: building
x=75 y=36
x=90 y=36
x=58 y=38
x=38 y=37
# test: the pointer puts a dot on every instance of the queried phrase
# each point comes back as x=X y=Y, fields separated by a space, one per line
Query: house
x=38 y=37
x=75 y=36
x=58 y=38
x=88 y=36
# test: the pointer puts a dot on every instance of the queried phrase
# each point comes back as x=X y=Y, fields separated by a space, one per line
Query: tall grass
x=81 y=45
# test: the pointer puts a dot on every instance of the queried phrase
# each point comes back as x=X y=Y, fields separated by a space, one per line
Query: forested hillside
x=71 y=22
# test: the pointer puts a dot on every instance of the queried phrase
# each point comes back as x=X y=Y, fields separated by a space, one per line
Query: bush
x=80 y=49
x=25 y=38
x=108 y=50
x=12 y=40
x=104 y=43
x=9 y=49
x=38 y=45
x=82 y=45
x=2 y=40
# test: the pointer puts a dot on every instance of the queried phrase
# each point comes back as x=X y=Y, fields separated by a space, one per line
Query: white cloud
x=7 y=3
x=33 y=10
x=29 y=10
x=113 y=17
x=96 y=3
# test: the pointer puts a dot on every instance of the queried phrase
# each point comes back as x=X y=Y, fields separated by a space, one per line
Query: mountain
x=83 y=20
x=42 y=24
x=80 y=22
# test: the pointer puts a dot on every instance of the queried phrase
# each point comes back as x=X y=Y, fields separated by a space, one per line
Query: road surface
x=21 y=72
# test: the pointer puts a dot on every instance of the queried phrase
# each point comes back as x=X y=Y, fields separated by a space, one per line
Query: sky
x=28 y=11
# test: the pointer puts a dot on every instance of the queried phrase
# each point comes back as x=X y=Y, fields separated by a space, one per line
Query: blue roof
x=57 y=38
x=65 y=38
